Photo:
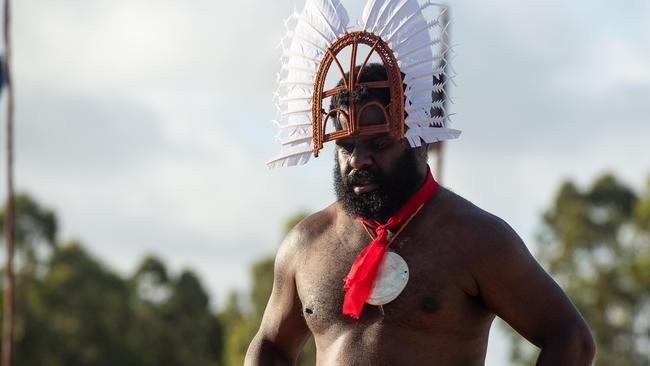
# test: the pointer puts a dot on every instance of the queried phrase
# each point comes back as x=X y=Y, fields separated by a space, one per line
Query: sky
x=146 y=124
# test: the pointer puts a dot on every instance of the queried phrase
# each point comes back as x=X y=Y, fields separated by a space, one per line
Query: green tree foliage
x=33 y=224
x=595 y=243
x=77 y=315
x=242 y=319
x=74 y=311
x=173 y=324
x=35 y=228
x=239 y=328
x=195 y=328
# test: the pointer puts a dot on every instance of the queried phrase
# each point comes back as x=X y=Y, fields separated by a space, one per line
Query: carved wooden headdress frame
x=393 y=117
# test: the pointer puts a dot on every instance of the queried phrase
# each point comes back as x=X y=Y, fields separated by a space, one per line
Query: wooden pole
x=8 y=300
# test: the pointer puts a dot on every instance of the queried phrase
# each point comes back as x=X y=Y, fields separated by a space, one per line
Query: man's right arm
x=283 y=330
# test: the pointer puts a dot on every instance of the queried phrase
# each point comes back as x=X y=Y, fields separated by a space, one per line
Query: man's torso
x=437 y=319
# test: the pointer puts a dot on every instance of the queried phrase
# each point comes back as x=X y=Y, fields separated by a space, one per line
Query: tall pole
x=8 y=300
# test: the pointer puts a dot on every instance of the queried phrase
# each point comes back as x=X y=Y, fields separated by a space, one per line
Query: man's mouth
x=364 y=188
x=360 y=186
x=362 y=182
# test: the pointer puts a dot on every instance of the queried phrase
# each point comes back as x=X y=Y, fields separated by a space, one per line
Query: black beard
x=394 y=188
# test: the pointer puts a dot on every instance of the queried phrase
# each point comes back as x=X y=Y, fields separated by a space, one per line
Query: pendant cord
x=398 y=231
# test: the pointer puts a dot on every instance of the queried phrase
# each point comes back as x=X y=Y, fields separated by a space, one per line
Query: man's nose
x=360 y=158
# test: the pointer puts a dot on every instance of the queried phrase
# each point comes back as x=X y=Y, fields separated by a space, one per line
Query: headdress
x=415 y=62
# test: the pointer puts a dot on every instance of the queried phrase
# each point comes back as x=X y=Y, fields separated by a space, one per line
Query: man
x=464 y=267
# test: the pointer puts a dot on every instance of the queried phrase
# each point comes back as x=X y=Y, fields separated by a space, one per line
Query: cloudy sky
x=145 y=124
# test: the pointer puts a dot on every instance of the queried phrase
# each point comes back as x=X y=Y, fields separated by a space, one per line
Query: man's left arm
x=517 y=289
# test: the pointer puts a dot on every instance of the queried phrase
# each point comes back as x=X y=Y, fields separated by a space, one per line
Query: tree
x=596 y=244
x=197 y=333
x=77 y=314
x=73 y=310
x=239 y=330
x=150 y=281
x=172 y=322
x=34 y=227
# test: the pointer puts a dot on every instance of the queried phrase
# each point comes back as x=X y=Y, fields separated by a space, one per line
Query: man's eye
x=381 y=143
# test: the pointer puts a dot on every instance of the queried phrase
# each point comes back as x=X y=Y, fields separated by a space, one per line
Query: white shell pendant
x=391 y=279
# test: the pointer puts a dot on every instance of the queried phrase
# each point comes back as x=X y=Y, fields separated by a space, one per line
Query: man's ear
x=422 y=150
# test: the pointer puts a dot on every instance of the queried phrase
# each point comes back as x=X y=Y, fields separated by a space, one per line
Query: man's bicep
x=517 y=289
x=283 y=324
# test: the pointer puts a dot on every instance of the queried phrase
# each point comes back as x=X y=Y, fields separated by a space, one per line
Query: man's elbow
x=583 y=342
x=575 y=342
x=262 y=351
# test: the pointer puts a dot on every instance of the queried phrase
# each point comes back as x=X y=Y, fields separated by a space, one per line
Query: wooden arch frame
x=394 y=118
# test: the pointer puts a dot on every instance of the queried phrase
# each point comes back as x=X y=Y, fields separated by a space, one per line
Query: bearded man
x=463 y=266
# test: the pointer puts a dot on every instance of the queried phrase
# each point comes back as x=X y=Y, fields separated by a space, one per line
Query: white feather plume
x=309 y=34
x=370 y=13
x=421 y=49
x=423 y=59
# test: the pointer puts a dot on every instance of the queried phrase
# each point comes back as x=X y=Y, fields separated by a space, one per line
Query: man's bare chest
x=434 y=298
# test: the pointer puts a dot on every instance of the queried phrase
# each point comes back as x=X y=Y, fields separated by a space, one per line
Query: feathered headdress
x=394 y=30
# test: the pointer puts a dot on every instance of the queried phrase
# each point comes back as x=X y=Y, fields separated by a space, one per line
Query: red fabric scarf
x=360 y=280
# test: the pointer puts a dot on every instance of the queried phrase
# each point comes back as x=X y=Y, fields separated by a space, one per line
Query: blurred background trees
x=74 y=310
x=595 y=242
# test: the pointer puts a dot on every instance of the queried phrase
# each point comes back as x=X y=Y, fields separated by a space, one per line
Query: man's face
x=374 y=175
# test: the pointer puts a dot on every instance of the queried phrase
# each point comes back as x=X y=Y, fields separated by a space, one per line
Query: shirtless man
x=466 y=266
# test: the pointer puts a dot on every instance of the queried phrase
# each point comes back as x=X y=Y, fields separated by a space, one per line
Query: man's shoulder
x=311 y=229
x=455 y=207
x=316 y=224
x=470 y=221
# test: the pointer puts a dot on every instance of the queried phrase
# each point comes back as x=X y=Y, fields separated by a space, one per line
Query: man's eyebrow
x=381 y=139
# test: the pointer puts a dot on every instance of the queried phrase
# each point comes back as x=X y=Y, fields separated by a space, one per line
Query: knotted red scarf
x=361 y=278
